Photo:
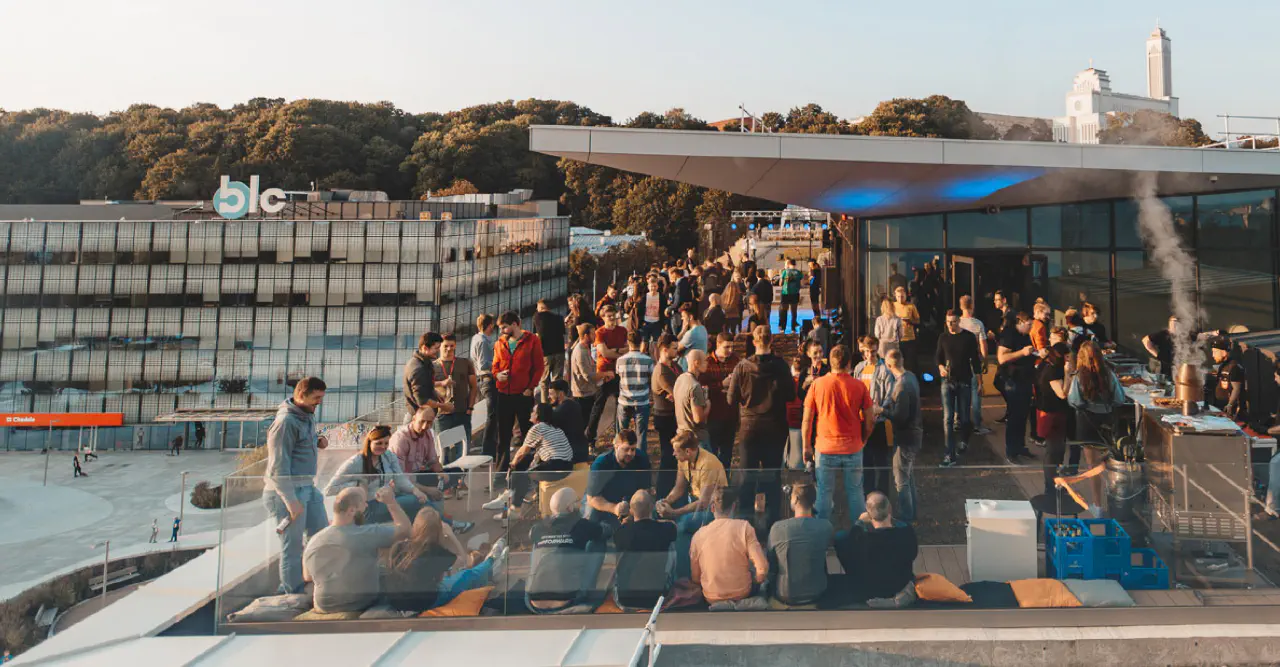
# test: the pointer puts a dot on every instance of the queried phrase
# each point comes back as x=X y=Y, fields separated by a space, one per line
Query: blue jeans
x=376 y=512
x=904 y=461
x=1273 y=486
x=955 y=407
x=977 y=403
x=831 y=466
x=686 y=526
x=312 y=521
x=1017 y=397
x=464 y=580
x=640 y=413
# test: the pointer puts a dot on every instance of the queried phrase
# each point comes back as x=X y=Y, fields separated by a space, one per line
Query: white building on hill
x=1091 y=100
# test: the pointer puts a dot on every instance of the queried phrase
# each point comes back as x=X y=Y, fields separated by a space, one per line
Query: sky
x=621 y=58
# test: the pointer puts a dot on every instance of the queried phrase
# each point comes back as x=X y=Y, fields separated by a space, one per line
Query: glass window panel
x=1236 y=220
x=887 y=271
x=1072 y=226
x=1236 y=288
x=917 y=232
x=1074 y=277
x=1142 y=299
x=982 y=230
x=1127 y=235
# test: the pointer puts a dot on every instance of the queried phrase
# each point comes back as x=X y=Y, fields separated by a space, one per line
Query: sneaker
x=502 y=516
x=963 y=447
x=498 y=547
x=1003 y=419
x=948 y=461
x=499 y=502
x=983 y=430
x=462 y=527
x=499 y=561
x=1039 y=442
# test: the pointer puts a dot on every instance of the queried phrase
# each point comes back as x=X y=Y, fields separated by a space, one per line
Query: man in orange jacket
x=517 y=366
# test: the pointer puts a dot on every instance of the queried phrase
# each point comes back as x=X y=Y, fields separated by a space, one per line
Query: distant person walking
x=790 y=313
x=75 y=463
x=177 y=526
x=175 y=447
x=155 y=530
x=199 y=427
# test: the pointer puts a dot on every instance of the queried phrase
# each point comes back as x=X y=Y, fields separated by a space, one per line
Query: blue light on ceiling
x=733 y=226
x=856 y=199
x=979 y=186
x=751 y=226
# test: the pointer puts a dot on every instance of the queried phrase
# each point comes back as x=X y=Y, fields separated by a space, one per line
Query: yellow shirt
x=909 y=315
x=706 y=470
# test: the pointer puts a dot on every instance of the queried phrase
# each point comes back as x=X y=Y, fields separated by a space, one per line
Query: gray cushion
x=272 y=608
x=1099 y=593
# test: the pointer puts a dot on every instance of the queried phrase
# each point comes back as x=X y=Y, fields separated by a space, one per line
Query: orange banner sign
x=61 y=419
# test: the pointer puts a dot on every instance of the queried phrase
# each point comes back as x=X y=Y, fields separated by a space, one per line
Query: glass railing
x=1168 y=533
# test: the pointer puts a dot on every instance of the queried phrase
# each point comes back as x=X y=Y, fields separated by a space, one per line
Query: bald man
x=646 y=561
x=342 y=559
x=690 y=398
x=879 y=553
x=568 y=551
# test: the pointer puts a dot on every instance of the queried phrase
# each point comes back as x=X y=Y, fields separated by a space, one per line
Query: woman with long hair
x=758 y=315
x=430 y=567
x=731 y=302
x=1095 y=393
x=888 y=329
x=374 y=467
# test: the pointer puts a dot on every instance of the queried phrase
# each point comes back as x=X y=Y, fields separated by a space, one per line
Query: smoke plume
x=1160 y=236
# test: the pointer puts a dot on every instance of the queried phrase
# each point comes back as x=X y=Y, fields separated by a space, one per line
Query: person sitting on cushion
x=342 y=559
x=798 y=550
x=878 y=554
x=374 y=467
x=725 y=558
x=545 y=456
x=568 y=551
x=615 y=477
x=429 y=568
x=646 y=560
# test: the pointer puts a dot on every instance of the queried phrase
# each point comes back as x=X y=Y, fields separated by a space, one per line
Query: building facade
x=145 y=317
x=1091 y=101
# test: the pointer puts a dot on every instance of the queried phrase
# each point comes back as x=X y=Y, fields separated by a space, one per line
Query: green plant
x=206 y=496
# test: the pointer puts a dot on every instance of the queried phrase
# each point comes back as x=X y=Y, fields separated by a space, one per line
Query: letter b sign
x=235 y=199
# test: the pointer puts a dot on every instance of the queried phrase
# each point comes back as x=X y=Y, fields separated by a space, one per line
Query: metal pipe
x=182 y=501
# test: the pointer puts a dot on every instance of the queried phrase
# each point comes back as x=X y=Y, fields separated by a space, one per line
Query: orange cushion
x=1043 y=594
x=937 y=588
x=468 y=603
x=609 y=607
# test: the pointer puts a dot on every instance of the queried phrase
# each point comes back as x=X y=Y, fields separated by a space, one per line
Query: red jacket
x=526 y=363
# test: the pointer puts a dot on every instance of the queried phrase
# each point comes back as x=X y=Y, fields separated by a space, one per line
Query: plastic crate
x=1101 y=551
x=1145 y=572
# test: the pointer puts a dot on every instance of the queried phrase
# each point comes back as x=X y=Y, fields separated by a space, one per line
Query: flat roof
x=879 y=176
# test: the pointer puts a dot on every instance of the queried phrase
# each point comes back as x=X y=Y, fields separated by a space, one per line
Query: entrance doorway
x=1021 y=276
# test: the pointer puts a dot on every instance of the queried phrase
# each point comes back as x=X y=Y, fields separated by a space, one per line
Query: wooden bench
x=112 y=578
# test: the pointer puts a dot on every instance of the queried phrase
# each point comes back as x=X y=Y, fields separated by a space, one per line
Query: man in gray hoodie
x=290 y=493
x=902 y=407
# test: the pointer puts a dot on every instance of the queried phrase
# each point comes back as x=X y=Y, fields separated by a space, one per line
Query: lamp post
x=106 y=565
x=48 y=450
x=182 y=500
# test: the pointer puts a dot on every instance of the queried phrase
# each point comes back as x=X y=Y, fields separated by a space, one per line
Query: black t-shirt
x=1046 y=399
x=559 y=546
x=416 y=588
x=1021 y=369
x=550 y=328
x=958 y=352
x=1163 y=342
x=567 y=416
x=879 y=560
x=713 y=320
x=1097 y=332
x=642 y=565
x=1228 y=372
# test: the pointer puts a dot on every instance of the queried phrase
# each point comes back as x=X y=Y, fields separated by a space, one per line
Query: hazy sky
x=621 y=58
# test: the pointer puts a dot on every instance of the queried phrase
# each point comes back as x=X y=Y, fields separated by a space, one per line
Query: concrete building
x=145 y=309
x=1091 y=101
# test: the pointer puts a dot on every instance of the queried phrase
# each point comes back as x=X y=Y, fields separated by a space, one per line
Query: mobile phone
x=284 y=525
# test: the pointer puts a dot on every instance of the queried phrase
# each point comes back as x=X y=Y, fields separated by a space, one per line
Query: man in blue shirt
x=615 y=477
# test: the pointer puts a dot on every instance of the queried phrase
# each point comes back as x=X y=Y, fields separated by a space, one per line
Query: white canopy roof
x=877 y=176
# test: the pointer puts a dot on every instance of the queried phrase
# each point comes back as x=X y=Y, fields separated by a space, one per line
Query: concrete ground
x=46 y=529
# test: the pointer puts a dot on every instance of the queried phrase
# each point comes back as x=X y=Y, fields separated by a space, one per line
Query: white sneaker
x=500 y=562
x=499 y=502
x=497 y=547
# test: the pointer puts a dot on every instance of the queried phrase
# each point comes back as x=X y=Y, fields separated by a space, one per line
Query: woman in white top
x=374 y=467
x=888 y=329
x=545 y=456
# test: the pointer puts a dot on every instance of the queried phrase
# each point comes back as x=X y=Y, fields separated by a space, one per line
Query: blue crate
x=1100 y=552
x=1145 y=572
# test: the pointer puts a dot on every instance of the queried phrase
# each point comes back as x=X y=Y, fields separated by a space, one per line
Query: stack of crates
x=1100 y=549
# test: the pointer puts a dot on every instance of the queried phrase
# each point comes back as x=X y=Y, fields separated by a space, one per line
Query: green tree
x=1039 y=131
x=934 y=116
x=811 y=119
x=662 y=210
x=1152 y=128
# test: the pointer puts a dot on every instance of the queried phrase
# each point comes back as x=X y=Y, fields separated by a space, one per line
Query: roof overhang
x=878 y=176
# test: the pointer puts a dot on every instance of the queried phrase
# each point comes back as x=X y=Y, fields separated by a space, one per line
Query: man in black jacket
x=550 y=328
x=761 y=386
x=959 y=361
x=421 y=377
x=763 y=289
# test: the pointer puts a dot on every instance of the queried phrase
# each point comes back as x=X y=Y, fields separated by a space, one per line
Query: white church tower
x=1092 y=103
x=1159 y=65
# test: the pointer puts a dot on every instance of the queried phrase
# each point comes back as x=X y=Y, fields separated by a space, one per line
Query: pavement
x=45 y=530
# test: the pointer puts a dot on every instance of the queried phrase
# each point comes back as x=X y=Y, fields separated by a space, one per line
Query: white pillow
x=1099 y=593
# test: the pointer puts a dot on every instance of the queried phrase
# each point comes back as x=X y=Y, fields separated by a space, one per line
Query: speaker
x=832 y=294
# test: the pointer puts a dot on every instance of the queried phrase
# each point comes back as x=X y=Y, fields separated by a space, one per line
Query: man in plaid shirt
x=635 y=372
x=723 y=420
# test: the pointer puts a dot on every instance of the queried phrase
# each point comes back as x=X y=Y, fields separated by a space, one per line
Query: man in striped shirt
x=635 y=373
x=545 y=456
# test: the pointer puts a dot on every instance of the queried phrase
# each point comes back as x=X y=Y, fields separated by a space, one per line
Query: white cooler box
x=1002 y=540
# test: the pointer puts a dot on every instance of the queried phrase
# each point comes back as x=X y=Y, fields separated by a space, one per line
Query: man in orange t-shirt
x=838 y=417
